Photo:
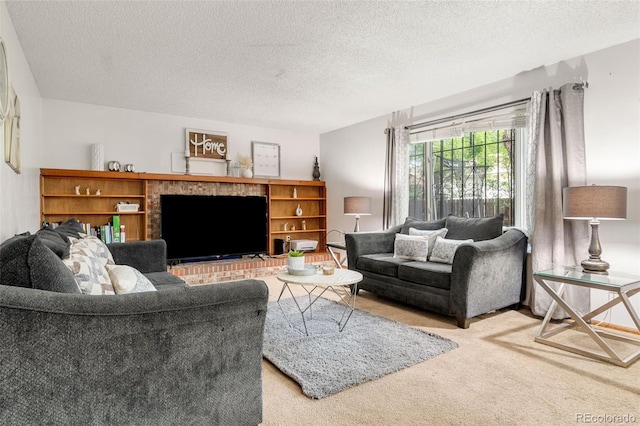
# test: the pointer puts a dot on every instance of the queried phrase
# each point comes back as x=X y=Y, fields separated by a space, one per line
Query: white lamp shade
x=594 y=202
x=357 y=205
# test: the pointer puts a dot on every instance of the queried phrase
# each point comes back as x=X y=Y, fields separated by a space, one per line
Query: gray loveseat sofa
x=484 y=275
x=183 y=355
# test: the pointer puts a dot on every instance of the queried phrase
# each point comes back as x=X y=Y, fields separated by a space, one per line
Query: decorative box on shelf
x=127 y=208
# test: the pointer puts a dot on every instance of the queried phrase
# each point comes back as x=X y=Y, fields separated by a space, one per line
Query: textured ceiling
x=311 y=66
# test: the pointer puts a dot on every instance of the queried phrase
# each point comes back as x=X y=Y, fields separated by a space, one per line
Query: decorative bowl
x=328 y=270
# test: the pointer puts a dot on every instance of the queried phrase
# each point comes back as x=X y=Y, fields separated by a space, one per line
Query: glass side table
x=622 y=285
x=331 y=246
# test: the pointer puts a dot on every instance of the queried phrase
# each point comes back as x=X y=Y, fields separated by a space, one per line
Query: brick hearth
x=199 y=273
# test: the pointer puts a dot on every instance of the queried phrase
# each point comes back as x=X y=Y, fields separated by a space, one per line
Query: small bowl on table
x=328 y=270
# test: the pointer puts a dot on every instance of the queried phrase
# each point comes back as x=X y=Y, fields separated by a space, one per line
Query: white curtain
x=396 y=175
x=557 y=160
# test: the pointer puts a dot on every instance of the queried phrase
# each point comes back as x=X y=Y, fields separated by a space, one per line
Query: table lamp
x=594 y=203
x=357 y=206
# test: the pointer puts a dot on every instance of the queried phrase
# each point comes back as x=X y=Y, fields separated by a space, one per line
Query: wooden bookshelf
x=59 y=202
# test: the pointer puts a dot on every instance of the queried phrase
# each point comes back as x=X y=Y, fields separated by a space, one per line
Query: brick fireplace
x=197 y=273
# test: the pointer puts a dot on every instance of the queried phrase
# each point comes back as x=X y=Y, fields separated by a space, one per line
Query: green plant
x=296 y=253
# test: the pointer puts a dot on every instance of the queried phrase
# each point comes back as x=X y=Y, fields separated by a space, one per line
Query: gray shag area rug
x=328 y=361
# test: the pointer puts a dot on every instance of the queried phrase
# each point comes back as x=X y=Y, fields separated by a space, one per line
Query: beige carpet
x=498 y=376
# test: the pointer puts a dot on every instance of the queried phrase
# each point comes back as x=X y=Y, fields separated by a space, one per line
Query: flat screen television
x=205 y=227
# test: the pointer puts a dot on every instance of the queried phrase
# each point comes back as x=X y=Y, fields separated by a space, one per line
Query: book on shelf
x=115 y=227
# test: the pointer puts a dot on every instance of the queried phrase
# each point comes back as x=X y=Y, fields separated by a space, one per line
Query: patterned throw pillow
x=431 y=236
x=126 y=279
x=445 y=250
x=88 y=268
x=96 y=246
x=411 y=247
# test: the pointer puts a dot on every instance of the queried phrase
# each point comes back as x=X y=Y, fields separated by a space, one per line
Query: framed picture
x=266 y=159
x=205 y=144
x=12 y=132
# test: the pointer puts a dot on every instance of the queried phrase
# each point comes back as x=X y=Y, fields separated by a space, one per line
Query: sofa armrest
x=181 y=356
x=488 y=275
x=361 y=243
x=145 y=256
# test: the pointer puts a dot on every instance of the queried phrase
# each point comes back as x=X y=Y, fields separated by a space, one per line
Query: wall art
x=266 y=159
x=12 y=132
x=206 y=144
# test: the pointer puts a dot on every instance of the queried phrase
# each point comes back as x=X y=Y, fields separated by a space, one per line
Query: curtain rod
x=467 y=114
x=576 y=86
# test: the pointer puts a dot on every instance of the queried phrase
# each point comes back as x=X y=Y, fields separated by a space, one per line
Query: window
x=472 y=175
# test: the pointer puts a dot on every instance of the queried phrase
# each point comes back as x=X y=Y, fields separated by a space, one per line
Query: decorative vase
x=298 y=211
x=97 y=157
x=296 y=263
x=247 y=173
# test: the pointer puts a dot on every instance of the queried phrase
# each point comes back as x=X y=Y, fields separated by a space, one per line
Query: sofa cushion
x=381 y=263
x=70 y=228
x=127 y=279
x=444 y=249
x=426 y=273
x=421 y=224
x=164 y=280
x=27 y=262
x=431 y=236
x=476 y=228
x=411 y=247
x=57 y=242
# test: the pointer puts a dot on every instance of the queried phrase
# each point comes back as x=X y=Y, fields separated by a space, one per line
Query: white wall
x=354 y=156
x=19 y=193
x=148 y=139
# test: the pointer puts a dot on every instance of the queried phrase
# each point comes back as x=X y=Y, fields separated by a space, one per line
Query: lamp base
x=595 y=266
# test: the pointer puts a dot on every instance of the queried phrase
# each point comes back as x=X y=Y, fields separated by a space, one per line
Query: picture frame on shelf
x=266 y=159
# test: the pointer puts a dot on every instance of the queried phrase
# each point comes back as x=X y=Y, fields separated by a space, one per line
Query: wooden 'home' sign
x=206 y=144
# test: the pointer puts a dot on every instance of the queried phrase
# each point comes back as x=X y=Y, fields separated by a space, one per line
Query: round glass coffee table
x=343 y=283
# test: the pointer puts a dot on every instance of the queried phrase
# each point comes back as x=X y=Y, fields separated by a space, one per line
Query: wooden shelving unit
x=311 y=196
x=58 y=201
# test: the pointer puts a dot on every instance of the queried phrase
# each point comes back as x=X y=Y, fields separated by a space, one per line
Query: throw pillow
x=58 y=243
x=27 y=262
x=476 y=228
x=126 y=279
x=70 y=228
x=412 y=247
x=444 y=250
x=421 y=224
x=96 y=246
x=431 y=236
x=88 y=269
